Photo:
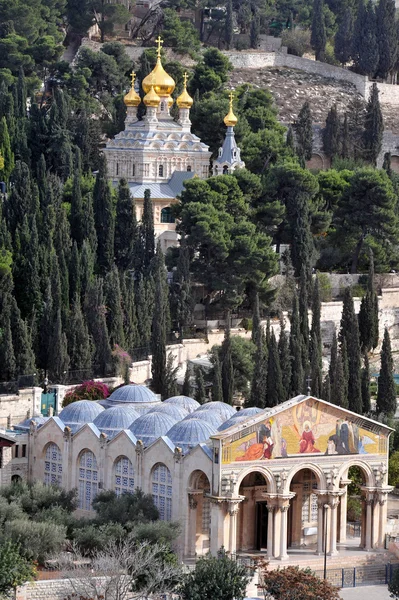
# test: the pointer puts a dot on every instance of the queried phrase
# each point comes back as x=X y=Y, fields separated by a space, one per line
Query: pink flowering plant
x=88 y=390
x=123 y=362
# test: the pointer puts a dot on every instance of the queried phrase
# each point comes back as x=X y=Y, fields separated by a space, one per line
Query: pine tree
x=366 y=398
x=79 y=348
x=297 y=373
x=274 y=385
x=200 y=392
x=228 y=27
x=387 y=37
x=318 y=37
x=343 y=37
x=104 y=219
x=285 y=359
x=386 y=393
x=368 y=314
x=113 y=301
x=364 y=44
x=303 y=128
x=186 y=389
x=227 y=365
x=125 y=228
x=217 y=388
x=349 y=333
x=77 y=217
x=58 y=363
x=159 y=326
x=331 y=133
x=373 y=127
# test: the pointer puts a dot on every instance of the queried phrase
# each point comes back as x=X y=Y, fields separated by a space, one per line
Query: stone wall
x=15 y=408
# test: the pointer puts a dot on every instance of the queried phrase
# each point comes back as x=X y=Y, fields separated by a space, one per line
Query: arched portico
x=199 y=514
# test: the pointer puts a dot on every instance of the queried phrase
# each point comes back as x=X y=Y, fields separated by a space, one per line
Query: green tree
x=146 y=235
x=338 y=384
x=364 y=42
x=217 y=388
x=285 y=359
x=349 y=332
x=170 y=386
x=114 y=314
x=159 y=325
x=331 y=133
x=228 y=26
x=303 y=128
x=79 y=348
x=386 y=393
x=368 y=313
x=7 y=355
x=366 y=400
x=296 y=351
x=200 y=392
x=15 y=570
x=316 y=346
x=94 y=310
x=274 y=384
x=227 y=365
x=77 y=216
x=181 y=296
x=5 y=151
x=259 y=377
x=387 y=37
x=126 y=508
x=58 y=363
x=293 y=583
x=343 y=37
x=326 y=391
x=104 y=219
x=125 y=228
x=211 y=573
x=318 y=37
x=178 y=34
x=254 y=30
x=22 y=342
x=373 y=127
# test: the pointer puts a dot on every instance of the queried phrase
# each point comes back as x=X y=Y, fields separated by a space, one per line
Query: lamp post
x=326 y=507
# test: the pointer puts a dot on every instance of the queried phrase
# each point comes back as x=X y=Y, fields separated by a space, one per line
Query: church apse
x=310 y=427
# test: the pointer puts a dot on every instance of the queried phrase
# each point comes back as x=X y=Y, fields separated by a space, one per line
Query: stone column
x=369 y=518
x=375 y=523
x=233 y=512
x=343 y=508
x=192 y=525
x=382 y=519
x=283 y=533
x=320 y=527
x=270 y=530
x=333 y=503
x=276 y=531
x=217 y=525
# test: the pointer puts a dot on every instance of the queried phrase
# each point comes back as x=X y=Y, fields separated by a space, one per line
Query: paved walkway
x=371 y=592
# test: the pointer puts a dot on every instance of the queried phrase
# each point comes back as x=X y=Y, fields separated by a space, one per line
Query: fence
x=360 y=576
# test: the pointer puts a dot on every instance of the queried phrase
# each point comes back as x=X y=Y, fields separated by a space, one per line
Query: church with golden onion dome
x=159 y=154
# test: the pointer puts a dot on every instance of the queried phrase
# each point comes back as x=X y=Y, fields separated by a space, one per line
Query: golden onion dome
x=170 y=101
x=163 y=83
x=185 y=100
x=132 y=98
x=152 y=98
x=230 y=119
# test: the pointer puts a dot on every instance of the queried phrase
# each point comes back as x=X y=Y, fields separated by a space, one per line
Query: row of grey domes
x=182 y=419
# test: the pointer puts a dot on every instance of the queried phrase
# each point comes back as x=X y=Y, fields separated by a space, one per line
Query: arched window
x=162 y=106
x=166 y=215
x=160 y=170
x=53 y=465
x=88 y=479
x=189 y=168
x=161 y=483
x=124 y=476
x=225 y=170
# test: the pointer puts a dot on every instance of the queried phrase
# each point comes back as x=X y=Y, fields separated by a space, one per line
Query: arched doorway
x=253 y=517
x=303 y=510
x=199 y=530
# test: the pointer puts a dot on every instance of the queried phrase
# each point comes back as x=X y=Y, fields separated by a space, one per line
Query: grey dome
x=114 y=419
x=78 y=413
x=225 y=410
x=174 y=410
x=240 y=415
x=213 y=417
x=103 y=403
x=189 y=433
x=185 y=402
x=133 y=393
x=151 y=426
x=25 y=425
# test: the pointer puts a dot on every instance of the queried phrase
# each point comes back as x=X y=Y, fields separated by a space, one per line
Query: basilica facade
x=254 y=480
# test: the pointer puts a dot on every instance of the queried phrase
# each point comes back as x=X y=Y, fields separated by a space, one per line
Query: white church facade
x=254 y=480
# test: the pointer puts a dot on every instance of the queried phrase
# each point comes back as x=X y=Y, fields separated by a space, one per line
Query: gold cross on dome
x=231 y=96
x=185 y=77
x=159 y=43
x=133 y=76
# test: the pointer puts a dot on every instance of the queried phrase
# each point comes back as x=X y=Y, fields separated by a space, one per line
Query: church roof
x=188 y=434
x=133 y=393
x=184 y=401
x=213 y=417
x=230 y=151
x=224 y=410
x=168 y=190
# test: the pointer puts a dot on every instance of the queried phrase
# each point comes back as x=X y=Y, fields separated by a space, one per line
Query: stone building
x=268 y=480
x=157 y=153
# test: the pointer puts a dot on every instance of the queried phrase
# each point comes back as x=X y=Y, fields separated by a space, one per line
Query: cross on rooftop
x=159 y=42
x=231 y=96
x=133 y=76
x=185 y=77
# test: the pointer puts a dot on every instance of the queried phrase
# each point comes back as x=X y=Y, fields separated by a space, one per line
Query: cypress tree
x=125 y=227
x=8 y=363
x=181 y=297
x=315 y=368
x=368 y=314
x=386 y=393
x=146 y=238
x=159 y=327
x=58 y=363
x=331 y=133
x=343 y=37
x=217 y=388
x=104 y=219
x=338 y=395
x=170 y=388
x=44 y=329
x=326 y=392
x=89 y=226
x=186 y=389
x=144 y=311
x=254 y=30
x=256 y=327
x=318 y=36
x=289 y=140
x=74 y=272
x=227 y=365
x=86 y=268
x=21 y=95
x=22 y=342
x=366 y=398
x=79 y=347
x=387 y=37
x=5 y=151
x=228 y=26
x=345 y=370
x=26 y=269
x=113 y=300
x=274 y=385
x=129 y=305
x=350 y=333
x=200 y=392
x=387 y=164
x=297 y=373
x=373 y=127
x=304 y=133
x=259 y=377
x=316 y=341
x=94 y=310
x=364 y=44
x=77 y=217
x=285 y=359
x=334 y=357
x=304 y=320
x=345 y=139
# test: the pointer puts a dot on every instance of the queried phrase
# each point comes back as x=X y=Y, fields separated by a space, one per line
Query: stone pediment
x=301 y=427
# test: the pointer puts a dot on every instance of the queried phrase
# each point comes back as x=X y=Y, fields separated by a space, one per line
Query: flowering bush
x=123 y=362
x=88 y=390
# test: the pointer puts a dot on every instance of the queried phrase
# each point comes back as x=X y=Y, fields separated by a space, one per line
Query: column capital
x=192 y=502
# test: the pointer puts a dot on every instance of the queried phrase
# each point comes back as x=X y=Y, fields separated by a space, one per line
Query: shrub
x=297 y=41
x=293 y=583
x=91 y=539
x=38 y=541
x=88 y=390
x=354 y=508
x=324 y=287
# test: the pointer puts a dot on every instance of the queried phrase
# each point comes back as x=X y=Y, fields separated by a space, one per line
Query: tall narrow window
x=160 y=170
x=53 y=465
x=124 y=476
x=117 y=168
x=162 y=491
x=166 y=215
x=88 y=479
x=133 y=170
x=189 y=168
